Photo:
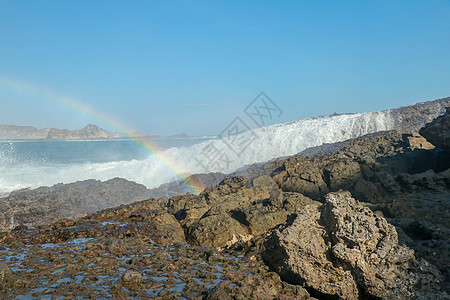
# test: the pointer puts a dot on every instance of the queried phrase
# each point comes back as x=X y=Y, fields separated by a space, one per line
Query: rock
x=412 y=117
x=5 y=272
x=229 y=185
x=343 y=249
x=305 y=177
x=430 y=241
x=217 y=293
x=365 y=190
x=265 y=181
x=232 y=213
x=276 y=198
x=367 y=166
x=298 y=252
x=132 y=277
x=216 y=228
x=45 y=205
x=437 y=132
x=415 y=140
x=7 y=277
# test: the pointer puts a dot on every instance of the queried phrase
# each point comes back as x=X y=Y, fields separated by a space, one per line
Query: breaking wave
x=218 y=155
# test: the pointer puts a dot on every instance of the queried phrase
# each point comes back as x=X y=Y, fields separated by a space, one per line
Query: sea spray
x=265 y=143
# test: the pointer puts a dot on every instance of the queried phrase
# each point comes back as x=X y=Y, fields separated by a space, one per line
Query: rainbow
x=105 y=120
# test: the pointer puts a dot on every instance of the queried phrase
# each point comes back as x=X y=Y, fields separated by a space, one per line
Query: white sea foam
x=261 y=145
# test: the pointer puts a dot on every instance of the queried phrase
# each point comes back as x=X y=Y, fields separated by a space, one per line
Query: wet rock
x=343 y=249
x=438 y=131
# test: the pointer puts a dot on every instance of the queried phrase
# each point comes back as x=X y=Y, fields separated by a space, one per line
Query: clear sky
x=166 y=67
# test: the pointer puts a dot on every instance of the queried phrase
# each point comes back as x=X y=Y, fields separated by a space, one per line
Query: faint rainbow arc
x=194 y=184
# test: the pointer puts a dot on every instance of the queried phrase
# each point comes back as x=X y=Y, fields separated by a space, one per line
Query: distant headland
x=89 y=132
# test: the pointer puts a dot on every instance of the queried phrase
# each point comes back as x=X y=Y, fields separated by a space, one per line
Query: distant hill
x=14 y=132
x=87 y=133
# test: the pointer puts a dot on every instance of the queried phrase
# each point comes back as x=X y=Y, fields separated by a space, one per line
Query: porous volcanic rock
x=367 y=166
x=232 y=212
x=343 y=249
x=437 y=132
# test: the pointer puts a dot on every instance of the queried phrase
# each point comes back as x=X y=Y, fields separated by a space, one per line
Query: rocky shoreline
x=367 y=219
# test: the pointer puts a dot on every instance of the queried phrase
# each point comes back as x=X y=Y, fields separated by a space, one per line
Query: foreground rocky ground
x=286 y=230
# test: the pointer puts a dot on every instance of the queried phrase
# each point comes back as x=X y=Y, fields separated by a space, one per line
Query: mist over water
x=32 y=164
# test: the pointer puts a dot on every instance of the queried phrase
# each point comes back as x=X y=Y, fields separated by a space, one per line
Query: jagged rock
x=8 y=280
x=343 y=249
x=217 y=293
x=430 y=241
x=298 y=252
x=48 y=204
x=265 y=181
x=417 y=141
x=232 y=212
x=367 y=166
x=227 y=186
x=438 y=131
x=304 y=176
x=216 y=228
x=413 y=117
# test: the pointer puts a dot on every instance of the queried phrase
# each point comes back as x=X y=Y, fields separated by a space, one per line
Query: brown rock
x=217 y=293
x=265 y=181
x=438 y=131
x=343 y=247
x=298 y=252
x=132 y=277
x=276 y=198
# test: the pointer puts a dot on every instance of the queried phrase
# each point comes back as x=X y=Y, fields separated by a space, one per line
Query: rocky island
x=367 y=218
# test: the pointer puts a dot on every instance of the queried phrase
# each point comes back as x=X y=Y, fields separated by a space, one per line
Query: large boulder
x=437 y=132
x=343 y=249
x=232 y=212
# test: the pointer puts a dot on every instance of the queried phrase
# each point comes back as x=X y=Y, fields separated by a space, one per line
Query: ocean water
x=32 y=164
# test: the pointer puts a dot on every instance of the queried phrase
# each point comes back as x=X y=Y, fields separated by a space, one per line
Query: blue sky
x=165 y=67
